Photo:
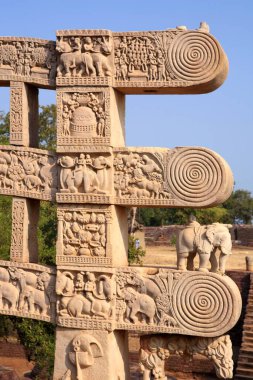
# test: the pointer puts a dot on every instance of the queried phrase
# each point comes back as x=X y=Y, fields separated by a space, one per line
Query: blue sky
x=222 y=120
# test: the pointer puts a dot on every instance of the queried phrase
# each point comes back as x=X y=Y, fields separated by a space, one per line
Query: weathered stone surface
x=189 y=303
x=27 y=290
x=157 y=348
x=30 y=60
x=204 y=240
x=170 y=61
x=90 y=354
x=95 y=298
x=28 y=172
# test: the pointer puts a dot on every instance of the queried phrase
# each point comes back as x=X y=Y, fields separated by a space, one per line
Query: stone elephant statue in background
x=204 y=240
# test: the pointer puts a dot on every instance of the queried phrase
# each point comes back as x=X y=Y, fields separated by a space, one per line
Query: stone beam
x=29 y=60
x=147 y=300
x=27 y=290
x=173 y=61
x=180 y=177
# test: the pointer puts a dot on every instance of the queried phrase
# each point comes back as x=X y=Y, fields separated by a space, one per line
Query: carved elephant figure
x=204 y=240
x=36 y=299
x=74 y=180
x=139 y=303
x=76 y=305
x=10 y=294
x=92 y=63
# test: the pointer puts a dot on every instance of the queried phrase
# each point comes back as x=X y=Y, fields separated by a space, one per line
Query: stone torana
x=92 y=295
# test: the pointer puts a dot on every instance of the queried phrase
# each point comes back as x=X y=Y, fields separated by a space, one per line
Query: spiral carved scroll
x=197 y=176
x=204 y=303
x=194 y=56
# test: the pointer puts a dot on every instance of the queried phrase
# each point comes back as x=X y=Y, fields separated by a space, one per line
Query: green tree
x=47 y=129
x=239 y=207
x=4 y=128
x=162 y=216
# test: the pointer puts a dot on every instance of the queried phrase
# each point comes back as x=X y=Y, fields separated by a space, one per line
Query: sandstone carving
x=84 y=56
x=27 y=290
x=86 y=349
x=156 y=349
x=84 y=295
x=173 y=58
x=83 y=233
x=162 y=301
x=173 y=301
x=27 y=172
x=188 y=177
x=204 y=240
x=84 y=174
x=83 y=118
x=90 y=176
x=33 y=60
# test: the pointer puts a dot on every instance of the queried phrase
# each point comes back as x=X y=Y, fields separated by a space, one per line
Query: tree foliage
x=237 y=209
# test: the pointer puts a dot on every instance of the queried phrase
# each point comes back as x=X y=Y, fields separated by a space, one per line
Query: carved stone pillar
x=24 y=242
x=24 y=107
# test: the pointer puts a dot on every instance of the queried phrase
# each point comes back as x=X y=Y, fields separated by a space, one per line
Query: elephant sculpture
x=84 y=62
x=204 y=240
x=79 y=178
x=139 y=303
x=36 y=300
x=10 y=294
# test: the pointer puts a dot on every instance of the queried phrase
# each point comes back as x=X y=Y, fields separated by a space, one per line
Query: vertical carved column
x=24 y=128
x=92 y=233
x=24 y=243
x=23 y=114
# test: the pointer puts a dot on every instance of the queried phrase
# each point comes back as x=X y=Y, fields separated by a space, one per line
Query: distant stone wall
x=165 y=235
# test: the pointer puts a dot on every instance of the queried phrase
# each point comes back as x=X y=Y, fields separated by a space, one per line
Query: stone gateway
x=92 y=295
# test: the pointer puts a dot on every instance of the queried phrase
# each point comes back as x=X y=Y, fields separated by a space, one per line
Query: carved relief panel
x=85 y=178
x=157 y=300
x=32 y=60
x=168 y=61
x=168 y=301
x=187 y=176
x=86 y=298
x=83 y=119
x=28 y=172
x=27 y=290
x=85 y=57
x=84 y=235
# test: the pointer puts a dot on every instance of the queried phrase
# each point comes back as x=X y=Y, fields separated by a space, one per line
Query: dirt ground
x=165 y=255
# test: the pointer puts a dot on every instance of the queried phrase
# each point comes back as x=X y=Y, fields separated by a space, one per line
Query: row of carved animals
x=26 y=291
